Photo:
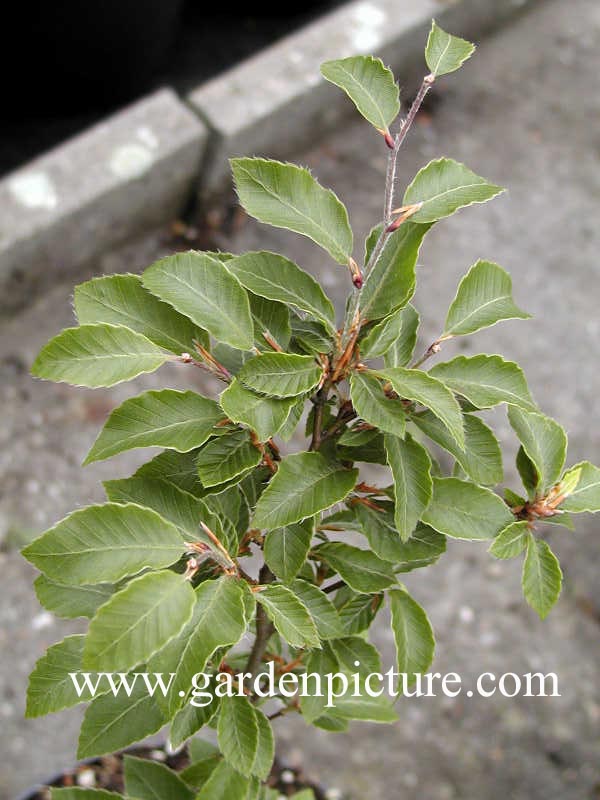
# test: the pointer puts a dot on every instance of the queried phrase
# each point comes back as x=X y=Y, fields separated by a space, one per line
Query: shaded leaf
x=238 y=733
x=382 y=336
x=285 y=549
x=544 y=441
x=149 y=780
x=374 y=407
x=362 y=570
x=320 y=608
x=289 y=615
x=224 y=458
x=401 y=351
x=264 y=415
x=411 y=470
x=71 y=602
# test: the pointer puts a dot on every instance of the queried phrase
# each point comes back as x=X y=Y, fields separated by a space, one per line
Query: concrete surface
x=276 y=103
x=524 y=114
x=132 y=171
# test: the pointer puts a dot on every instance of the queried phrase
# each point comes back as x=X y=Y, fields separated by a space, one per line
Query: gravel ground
x=523 y=115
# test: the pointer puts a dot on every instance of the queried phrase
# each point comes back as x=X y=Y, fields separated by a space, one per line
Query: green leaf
x=545 y=443
x=362 y=570
x=379 y=526
x=369 y=84
x=304 y=484
x=148 y=780
x=423 y=548
x=264 y=415
x=445 y=53
x=271 y=318
x=320 y=662
x=219 y=620
x=350 y=649
x=105 y=543
x=485 y=381
x=50 y=687
x=224 y=783
x=420 y=387
x=310 y=336
x=358 y=612
x=97 y=355
x=371 y=404
x=320 y=608
x=542 y=576
x=277 y=278
x=189 y=719
x=238 y=733
x=226 y=457
x=462 y=510
x=411 y=469
x=365 y=708
x=265 y=752
x=362 y=445
x=444 y=186
x=285 y=549
x=527 y=471
x=382 y=336
x=585 y=496
x=289 y=616
x=182 y=509
x=138 y=621
x=280 y=374
x=200 y=286
x=413 y=634
x=123 y=300
x=287 y=196
x=180 y=421
x=79 y=793
x=391 y=282
x=484 y=297
x=401 y=351
x=113 y=722
x=289 y=426
x=71 y=602
x=177 y=469
x=511 y=541
x=481 y=459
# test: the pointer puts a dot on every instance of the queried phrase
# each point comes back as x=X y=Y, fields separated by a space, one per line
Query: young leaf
x=485 y=381
x=71 y=602
x=149 y=780
x=238 y=733
x=277 y=278
x=285 y=549
x=320 y=608
x=280 y=374
x=542 y=576
x=445 y=53
x=382 y=336
x=199 y=286
x=411 y=469
x=369 y=84
x=168 y=418
x=444 y=186
x=123 y=300
x=113 y=722
x=420 y=387
x=585 y=496
x=105 y=543
x=138 y=621
x=544 y=441
x=401 y=351
x=226 y=457
x=481 y=459
x=287 y=196
x=371 y=404
x=50 y=686
x=97 y=355
x=362 y=570
x=304 y=484
x=413 y=635
x=289 y=616
x=511 y=541
x=484 y=297
x=391 y=283
x=264 y=415
x=462 y=510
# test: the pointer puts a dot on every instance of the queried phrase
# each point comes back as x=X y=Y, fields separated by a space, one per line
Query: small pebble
x=86 y=778
x=333 y=794
x=466 y=614
x=287 y=776
x=42 y=620
x=158 y=755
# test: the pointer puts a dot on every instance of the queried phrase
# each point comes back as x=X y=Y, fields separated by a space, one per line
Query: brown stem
x=333 y=587
x=264 y=628
x=319 y=402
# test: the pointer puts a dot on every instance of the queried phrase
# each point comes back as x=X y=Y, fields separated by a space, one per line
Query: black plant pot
x=78 y=56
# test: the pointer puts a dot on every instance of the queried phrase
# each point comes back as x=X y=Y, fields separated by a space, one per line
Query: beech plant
x=228 y=554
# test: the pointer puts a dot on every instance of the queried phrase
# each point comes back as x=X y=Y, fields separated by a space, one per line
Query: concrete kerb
x=139 y=167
